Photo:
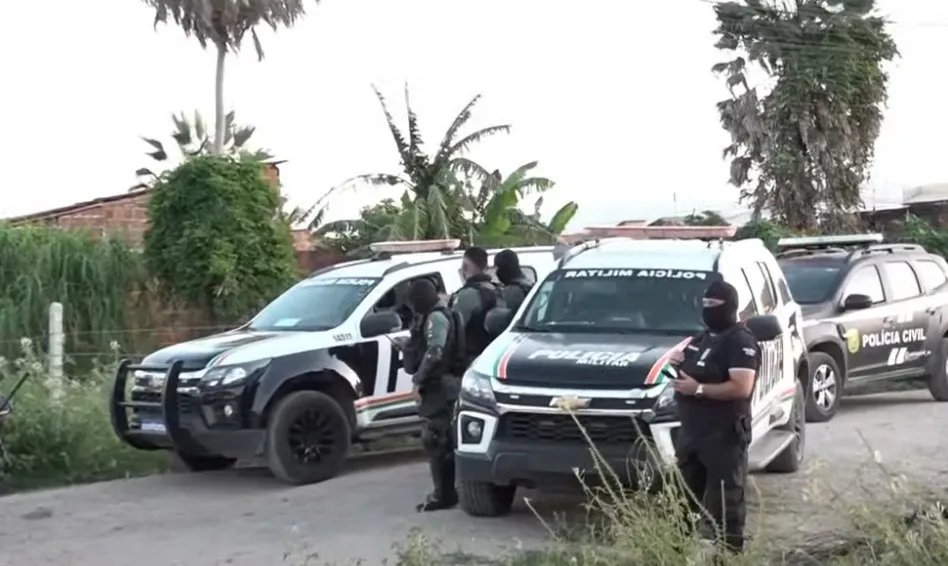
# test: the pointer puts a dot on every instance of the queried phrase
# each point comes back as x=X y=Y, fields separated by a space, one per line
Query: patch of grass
x=60 y=432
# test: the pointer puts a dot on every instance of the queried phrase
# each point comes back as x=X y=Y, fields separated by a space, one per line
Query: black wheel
x=938 y=382
x=791 y=458
x=482 y=499
x=308 y=438
x=826 y=386
x=203 y=463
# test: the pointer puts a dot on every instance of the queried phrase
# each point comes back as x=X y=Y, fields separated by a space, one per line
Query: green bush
x=918 y=231
x=60 y=431
x=93 y=279
x=217 y=239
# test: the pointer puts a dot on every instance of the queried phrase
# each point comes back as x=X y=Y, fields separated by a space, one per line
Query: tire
x=791 y=458
x=938 y=382
x=482 y=499
x=203 y=463
x=308 y=438
x=825 y=388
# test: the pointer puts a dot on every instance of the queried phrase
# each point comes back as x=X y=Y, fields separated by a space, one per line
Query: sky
x=614 y=99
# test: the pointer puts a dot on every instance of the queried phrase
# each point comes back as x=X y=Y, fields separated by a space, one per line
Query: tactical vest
x=475 y=334
x=452 y=361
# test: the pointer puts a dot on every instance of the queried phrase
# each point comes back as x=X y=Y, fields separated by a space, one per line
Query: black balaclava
x=720 y=318
x=422 y=296
x=507 y=265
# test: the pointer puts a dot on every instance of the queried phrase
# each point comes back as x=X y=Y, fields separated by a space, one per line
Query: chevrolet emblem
x=571 y=403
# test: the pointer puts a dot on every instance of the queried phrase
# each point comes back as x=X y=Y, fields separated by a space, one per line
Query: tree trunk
x=219 y=125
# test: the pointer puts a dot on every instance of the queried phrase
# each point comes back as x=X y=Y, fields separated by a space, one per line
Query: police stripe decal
x=500 y=368
x=381 y=400
x=660 y=363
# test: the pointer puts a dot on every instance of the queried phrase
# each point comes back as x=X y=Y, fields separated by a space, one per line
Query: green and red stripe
x=500 y=366
x=662 y=362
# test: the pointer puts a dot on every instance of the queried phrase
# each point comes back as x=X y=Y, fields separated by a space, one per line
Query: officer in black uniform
x=473 y=300
x=716 y=376
x=516 y=285
x=433 y=357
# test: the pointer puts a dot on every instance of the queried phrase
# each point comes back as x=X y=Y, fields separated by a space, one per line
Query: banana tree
x=500 y=221
x=436 y=185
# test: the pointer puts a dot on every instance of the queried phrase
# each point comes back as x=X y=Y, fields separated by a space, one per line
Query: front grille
x=185 y=401
x=563 y=428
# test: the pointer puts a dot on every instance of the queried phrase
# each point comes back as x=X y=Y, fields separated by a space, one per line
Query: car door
x=933 y=273
x=390 y=377
x=908 y=324
x=862 y=330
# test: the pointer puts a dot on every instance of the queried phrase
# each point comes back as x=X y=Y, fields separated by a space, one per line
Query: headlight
x=665 y=407
x=226 y=376
x=475 y=387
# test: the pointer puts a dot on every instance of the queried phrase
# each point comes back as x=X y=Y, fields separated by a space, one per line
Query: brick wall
x=126 y=218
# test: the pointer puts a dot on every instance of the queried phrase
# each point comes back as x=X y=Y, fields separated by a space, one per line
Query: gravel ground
x=246 y=517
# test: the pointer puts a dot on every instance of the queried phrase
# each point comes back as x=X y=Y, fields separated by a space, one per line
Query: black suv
x=872 y=312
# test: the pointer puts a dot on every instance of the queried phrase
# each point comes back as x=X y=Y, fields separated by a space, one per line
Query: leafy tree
x=224 y=24
x=918 y=231
x=191 y=138
x=768 y=231
x=216 y=239
x=810 y=140
x=705 y=218
x=434 y=202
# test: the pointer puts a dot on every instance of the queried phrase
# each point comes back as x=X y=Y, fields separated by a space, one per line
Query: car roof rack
x=887 y=248
x=856 y=245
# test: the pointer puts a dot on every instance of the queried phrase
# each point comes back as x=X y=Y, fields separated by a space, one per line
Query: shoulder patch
x=750 y=351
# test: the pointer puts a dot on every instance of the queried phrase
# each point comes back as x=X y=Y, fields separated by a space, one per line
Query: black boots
x=444 y=496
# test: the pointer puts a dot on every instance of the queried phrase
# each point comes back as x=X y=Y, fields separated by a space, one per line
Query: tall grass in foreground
x=626 y=527
x=60 y=432
x=93 y=279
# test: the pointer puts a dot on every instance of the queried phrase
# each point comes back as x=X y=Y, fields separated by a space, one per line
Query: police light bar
x=415 y=246
x=664 y=232
x=829 y=241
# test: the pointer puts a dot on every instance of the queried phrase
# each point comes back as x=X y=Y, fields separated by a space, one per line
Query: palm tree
x=224 y=23
x=435 y=202
x=191 y=137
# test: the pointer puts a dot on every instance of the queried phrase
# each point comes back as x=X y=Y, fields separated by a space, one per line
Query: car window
x=812 y=282
x=628 y=300
x=396 y=298
x=902 y=279
x=746 y=304
x=866 y=281
x=931 y=273
x=777 y=284
x=763 y=292
x=317 y=303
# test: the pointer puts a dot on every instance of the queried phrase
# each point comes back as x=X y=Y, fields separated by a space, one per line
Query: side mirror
x=377 y=324
x=764 y=327
x=857 y=302
x=497 y=320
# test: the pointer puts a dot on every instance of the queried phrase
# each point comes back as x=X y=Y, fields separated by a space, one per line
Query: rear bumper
x=498 y=458
x=163 y=425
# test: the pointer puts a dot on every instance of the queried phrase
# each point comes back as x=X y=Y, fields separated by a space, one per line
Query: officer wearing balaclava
x=716 y=375
x=515 y=283
x=433 y=358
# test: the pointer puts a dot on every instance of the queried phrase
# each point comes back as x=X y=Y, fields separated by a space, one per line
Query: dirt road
x=248 y=518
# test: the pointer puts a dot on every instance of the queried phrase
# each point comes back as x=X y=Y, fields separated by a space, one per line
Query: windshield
x=618 y=300
x=811 y=283
x=320 y=303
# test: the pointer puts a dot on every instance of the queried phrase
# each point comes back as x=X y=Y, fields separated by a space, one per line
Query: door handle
x=888 y=321
x=931 y=310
